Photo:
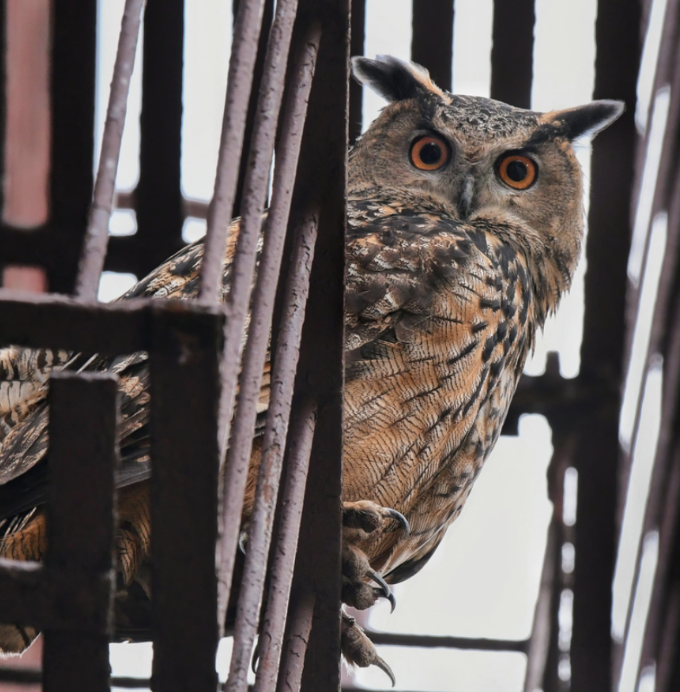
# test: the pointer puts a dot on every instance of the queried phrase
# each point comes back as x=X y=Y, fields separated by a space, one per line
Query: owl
x=465 y=221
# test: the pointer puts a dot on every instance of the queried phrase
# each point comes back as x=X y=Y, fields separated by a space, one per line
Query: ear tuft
x=393 y=79
x=587 y=120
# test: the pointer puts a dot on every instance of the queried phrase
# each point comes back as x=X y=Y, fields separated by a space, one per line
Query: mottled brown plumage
x=450 y=273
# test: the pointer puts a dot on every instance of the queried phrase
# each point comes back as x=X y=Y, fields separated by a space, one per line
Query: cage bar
x=97 y=235
x=602 y=350
x=185 y=455
x=287 y=352
x=80 y=521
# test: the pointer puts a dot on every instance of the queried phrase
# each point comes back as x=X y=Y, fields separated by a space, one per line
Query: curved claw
x=384 y=587
x=256 y=658
x=385 y=669
x=243 y=541
x=402 y=520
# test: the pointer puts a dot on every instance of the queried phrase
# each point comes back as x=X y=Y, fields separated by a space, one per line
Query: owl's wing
x=436 y=312
x=22 y=479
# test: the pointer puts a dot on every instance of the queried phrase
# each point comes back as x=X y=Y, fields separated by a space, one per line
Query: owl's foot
x=359 y=519
x=358 y=649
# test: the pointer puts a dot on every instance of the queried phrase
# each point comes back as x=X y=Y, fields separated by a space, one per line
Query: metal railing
x=195 y=357
x=298 y=296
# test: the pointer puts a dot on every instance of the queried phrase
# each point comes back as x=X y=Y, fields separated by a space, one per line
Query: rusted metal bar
x=44 y=321
x=287 y=352
x=32 y=595
x=662 y=633
x=602 y=350
x=97 y=235
x=356 y=91
x=295 y=649
x=80 y=522
x=432 y=42
x=257 y=179
x=665 y=198
x=184 y=367
x=283 y=560
x=661 y=511
x=21 y=676
x=4 y=74
x=190 y=207
x=267 y=16
x=72 y=96
x=28 y=676
x=463 y=643
x=158 y=194
x=665 y=75
x=538 y=648
x=247 y=27
x=321 y=177
x=512 y=52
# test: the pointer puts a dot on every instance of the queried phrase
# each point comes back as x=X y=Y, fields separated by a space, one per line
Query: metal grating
x=195 y=352
x=301 y=59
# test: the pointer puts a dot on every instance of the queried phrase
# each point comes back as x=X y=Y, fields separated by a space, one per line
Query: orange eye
x=429 y=153
x=518 y=172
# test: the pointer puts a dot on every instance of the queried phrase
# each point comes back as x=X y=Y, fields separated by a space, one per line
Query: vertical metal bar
x=243 y=54
x=432 y=42
x=267 y=16
x=4 y=97
x=158 y=195
x=287 y=352
x=356 y=91
x=283 y=561
x=663 y=503
x=543 y=623
x=257 y=179
x=72 y=140
x=184 y=369
x=661 y=627
x=299 y=629
x=322 y=177
x=513 y=35
x=83 y=452
x=617 y=60
x=97 y=235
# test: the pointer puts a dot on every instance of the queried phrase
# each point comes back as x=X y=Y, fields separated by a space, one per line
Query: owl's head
x=480 y=159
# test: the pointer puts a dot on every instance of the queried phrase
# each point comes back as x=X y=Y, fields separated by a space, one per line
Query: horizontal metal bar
x=57 y=599
x=31 y=676
x=464 y=643
x=190 y=207
x=59 y=322
x=363 y=689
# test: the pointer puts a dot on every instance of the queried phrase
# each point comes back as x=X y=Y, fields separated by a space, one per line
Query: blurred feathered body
x=449 y=275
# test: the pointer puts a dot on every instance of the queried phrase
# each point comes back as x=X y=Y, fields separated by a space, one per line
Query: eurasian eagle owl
x=465 y=226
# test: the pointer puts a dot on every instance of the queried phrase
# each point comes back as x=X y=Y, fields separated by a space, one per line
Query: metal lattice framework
x=289 y=65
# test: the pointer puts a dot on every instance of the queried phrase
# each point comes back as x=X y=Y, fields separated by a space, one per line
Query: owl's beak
x=466 y=195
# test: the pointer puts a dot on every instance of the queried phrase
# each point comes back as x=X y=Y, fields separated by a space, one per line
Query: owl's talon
x=256 y=657
x=369 y=516
x=243 y=541
x=359 y=650
x=406 y=527
x=380 y=663
x=385 y=590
